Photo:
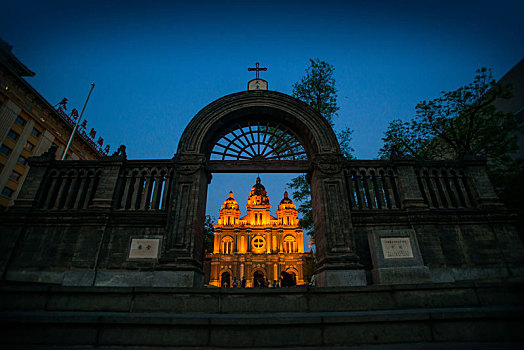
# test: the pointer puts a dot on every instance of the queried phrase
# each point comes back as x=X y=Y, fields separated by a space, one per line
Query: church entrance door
x=225 y=280
x=258 y=279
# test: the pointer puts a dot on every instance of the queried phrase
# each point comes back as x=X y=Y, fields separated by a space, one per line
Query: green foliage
x=464 y=123
x=460 y=123
x=344 y=139
x=209 y=233
x=317 y=88
x=302 y=194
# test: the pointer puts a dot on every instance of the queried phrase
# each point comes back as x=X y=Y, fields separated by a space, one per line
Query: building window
x=35 y=133
x=13 y=135
x=7 y=192
x=29 y=146
x=5 y=150
x=22 y=160
x=227 y=245
x=258 y=244
x=290 y=244
x=20 y=120
x=15 y=175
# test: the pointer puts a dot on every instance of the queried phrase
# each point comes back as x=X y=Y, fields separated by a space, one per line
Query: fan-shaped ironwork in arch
x=269 y=141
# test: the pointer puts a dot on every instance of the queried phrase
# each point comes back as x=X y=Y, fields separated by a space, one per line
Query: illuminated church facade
x=257 y=246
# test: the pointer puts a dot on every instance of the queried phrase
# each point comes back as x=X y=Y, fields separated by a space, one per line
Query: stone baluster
x=379 y=193
x=444 y=189
x=145 y=201
x=388 y=191
x=126 y=185
x=90 y=187
x=73 y=192
x=50 y=197
x=158 y=184
x=134 y=189
x=359 y=191
x=168 y=181
x=62 y=190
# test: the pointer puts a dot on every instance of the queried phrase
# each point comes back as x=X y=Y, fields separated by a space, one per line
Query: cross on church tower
x=257 y=69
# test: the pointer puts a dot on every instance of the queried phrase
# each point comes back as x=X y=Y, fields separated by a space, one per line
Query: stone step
x=216 y=300
x=484 y=324
x=38 y=316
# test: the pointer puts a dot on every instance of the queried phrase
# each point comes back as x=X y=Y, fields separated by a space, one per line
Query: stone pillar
x=185 y=222
x=337 y=262
x=482 y=188
x=28 y=195
x=215 y=273
x=107 y=183
x=8 y=113
x=13 y=159
x=300 y=242
x=216 y=243
x=409 y=190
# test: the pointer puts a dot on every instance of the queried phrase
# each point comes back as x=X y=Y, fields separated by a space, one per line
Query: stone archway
x=323 y=162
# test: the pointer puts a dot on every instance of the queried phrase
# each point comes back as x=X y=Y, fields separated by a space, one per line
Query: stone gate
x=119 y=222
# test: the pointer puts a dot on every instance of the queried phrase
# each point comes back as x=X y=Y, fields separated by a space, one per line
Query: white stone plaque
x=144 y=248
x=396 y=247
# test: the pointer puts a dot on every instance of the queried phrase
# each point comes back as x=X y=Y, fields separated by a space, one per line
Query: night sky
x=156 y=64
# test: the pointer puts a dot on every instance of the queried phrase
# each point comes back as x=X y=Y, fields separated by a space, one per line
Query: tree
x=461 y=123
x=209 y=234
x=464 y=123
x=317 y=88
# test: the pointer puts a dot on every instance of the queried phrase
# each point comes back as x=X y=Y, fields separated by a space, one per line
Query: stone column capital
x=188 y=164
x=328 y=164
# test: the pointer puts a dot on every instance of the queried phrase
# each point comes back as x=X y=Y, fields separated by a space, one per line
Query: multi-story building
x=29 y=126
x=257 y=246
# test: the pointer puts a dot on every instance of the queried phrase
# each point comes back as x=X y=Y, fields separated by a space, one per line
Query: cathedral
x=257 y=246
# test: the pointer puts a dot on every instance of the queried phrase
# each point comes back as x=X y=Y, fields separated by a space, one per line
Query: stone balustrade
x=371 y=185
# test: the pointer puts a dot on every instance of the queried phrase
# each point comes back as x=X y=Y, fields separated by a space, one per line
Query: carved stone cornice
x=188 y=164
x=328 y=164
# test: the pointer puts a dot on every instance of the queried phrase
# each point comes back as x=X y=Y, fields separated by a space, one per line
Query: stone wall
x=74 y=222
x=460 y=228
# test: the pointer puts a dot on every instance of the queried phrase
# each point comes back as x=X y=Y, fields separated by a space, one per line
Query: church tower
x=257 y=246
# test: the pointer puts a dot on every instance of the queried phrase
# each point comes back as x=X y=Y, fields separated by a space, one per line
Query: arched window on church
x=227 y=245
x=290 y=244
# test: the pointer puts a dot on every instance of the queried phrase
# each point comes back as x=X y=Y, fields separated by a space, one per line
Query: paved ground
x=420 y=346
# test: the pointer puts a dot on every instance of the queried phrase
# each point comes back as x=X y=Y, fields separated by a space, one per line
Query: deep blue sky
x=156 y=64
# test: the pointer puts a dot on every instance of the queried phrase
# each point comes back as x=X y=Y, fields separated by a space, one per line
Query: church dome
x=258 y=194
x=258 y=189
x=286 y=199
x=230 y=202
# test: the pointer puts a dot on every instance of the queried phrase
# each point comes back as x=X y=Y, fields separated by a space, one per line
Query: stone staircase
x=38 y=316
